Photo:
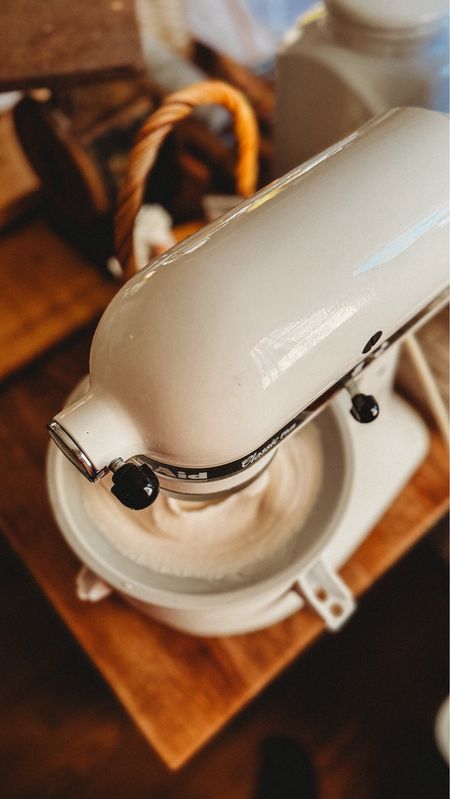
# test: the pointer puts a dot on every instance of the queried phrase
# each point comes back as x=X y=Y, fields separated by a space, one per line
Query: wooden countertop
x=179 y=689
x=48 y=292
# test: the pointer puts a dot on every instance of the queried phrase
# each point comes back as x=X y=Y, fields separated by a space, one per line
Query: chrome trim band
x=207 y=474
x=73 y=452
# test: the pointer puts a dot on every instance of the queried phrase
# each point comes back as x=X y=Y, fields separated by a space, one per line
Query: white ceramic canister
x=352 y=60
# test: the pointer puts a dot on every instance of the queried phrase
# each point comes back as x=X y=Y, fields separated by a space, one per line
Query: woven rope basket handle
x=149 y=139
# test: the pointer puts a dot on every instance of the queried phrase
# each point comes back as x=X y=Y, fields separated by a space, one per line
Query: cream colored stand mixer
x=256 y=361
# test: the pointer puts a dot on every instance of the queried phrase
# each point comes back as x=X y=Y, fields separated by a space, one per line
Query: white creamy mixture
x=221 y=537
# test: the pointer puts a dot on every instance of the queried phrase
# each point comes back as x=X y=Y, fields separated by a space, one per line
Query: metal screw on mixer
x=134 y=484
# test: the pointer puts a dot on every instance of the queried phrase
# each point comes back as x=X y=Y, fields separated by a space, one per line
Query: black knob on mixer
x=364 y=408
x=136 y=486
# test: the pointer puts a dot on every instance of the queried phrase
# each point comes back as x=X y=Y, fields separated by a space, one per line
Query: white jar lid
x=392 y=14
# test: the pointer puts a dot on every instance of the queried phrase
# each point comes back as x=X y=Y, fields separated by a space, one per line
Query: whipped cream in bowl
x=213 y=539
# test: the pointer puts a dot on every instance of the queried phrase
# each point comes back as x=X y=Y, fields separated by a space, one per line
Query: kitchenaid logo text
x=255 y=456
x=226 y=469
x=180 y=475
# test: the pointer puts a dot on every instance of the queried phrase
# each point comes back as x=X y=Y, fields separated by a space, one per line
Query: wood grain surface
x=54 y=43
x=358 y=708
x=48 y=291
x=179 y=690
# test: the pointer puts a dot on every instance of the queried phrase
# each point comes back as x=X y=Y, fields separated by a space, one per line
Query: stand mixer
x=256 y=358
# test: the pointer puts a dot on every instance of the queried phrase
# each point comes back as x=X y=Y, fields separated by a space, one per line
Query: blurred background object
x=353 y=60
x=55 y=42
x=19 y=193
x=78 y=140
x=76 y=119
x=175 y=108
x=441 y=729
x=78 y=132
x=165 y=21
x=249 y=31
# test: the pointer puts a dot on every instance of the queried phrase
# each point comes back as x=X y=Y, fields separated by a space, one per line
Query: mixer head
x=208 y=359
